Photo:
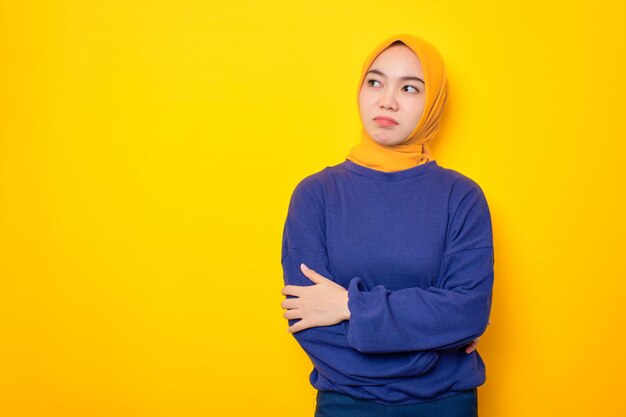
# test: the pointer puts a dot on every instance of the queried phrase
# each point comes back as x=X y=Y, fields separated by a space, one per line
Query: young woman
x=388 y=256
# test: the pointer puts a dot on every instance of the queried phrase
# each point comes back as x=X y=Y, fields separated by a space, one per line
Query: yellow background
x=149 y=150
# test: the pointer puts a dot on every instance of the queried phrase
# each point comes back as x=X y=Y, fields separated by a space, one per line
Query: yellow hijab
x=414 y=150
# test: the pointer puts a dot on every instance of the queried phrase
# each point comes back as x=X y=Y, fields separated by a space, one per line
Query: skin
x=384 y=92
x=326 y=303
x=322 y=304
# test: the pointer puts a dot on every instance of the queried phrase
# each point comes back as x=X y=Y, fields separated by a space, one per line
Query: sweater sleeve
x=447 y=316
x=327 y=346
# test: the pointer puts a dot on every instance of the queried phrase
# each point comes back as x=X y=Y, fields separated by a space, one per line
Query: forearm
x=424 y=319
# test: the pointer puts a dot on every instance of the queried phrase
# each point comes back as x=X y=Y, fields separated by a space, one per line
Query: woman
x=388 y=256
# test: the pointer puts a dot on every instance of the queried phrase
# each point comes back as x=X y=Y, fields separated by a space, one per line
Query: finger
x=470 y=347
x=290 y=303
x=312 y=274
x=301 y=325
x=295 y=290
x=292 y=314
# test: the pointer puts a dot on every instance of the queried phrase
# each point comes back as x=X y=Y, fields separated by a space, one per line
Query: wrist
x=346 y=315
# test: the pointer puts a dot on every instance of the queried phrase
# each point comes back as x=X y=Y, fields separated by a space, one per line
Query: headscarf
x=414 y=150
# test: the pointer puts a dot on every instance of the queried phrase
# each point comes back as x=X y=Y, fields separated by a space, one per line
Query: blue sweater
x=414 y=249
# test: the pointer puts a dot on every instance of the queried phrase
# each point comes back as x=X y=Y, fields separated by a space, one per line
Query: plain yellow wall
x=149 y=150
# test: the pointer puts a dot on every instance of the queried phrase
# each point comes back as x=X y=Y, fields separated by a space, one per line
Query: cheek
x=363 y=99
x=364 y=107
x=416 y=111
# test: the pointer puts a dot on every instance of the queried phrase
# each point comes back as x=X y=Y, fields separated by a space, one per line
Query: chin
x=387 y=141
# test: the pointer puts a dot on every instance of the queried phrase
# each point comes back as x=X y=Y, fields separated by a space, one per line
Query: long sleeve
x=446 y=316
x=327 y=346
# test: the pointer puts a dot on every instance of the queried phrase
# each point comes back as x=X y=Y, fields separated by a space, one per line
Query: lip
x=385 y=121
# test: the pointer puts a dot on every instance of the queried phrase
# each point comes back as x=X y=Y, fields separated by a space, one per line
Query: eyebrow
x=408 y=78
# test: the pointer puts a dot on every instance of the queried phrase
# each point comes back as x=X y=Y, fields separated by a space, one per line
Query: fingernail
x=304 y=266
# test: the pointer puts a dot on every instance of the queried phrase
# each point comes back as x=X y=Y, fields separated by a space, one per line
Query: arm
x=447 y=316
x=327 y=346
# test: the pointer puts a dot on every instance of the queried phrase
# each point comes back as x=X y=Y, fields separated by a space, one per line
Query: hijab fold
x=414 y=150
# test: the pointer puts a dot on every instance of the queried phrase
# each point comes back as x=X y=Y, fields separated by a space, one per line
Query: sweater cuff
x=356 y=305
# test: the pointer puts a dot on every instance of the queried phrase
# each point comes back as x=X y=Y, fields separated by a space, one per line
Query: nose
x=388 y=100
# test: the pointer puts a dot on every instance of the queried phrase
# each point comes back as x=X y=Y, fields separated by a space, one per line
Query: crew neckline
x=390 y=176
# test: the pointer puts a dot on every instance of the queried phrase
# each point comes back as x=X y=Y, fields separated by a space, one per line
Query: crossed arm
x=323 y=304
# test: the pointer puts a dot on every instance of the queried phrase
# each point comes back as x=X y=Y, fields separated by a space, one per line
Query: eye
x=410 y=86
x=372 y=81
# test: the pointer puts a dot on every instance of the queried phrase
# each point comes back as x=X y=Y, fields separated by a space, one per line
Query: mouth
x=385 y=121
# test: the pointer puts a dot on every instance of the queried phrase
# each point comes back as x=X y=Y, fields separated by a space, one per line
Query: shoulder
x=466 y=198
x=309 y=191
x=460 y=186
x=469 y=217
x=457 y=180
x=315 y=184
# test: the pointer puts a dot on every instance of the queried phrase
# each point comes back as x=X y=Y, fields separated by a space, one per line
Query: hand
x=322 y=304
x=472 y=346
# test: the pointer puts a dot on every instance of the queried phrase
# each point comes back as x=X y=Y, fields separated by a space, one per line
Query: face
x=393 y=88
